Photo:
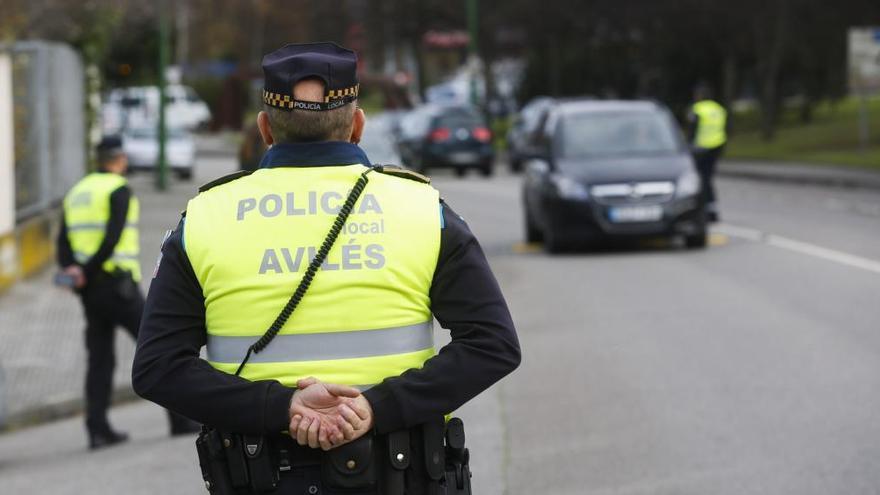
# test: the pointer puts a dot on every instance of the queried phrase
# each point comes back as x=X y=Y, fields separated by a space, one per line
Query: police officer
x=708 y=135
x=98 y=250
x=402 y=258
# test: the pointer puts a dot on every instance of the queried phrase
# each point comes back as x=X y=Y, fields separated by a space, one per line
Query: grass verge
x=831 y=138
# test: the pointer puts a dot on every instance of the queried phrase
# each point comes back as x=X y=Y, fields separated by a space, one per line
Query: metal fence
x=49 y=124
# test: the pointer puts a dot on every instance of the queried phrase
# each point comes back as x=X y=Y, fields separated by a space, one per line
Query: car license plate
x=463 y=157
x=635 y=213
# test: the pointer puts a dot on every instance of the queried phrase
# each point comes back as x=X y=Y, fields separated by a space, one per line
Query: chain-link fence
x=49 y=124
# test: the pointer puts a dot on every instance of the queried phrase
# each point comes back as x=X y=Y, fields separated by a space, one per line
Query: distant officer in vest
x=708 y=135
x=98 y=249
x=352 y=378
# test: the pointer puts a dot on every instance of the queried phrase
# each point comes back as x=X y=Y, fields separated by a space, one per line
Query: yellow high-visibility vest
x=367 y=314
x=86 y=212
x=711 y=126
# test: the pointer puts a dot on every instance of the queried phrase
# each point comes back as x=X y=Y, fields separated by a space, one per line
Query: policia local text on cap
x=325 y=337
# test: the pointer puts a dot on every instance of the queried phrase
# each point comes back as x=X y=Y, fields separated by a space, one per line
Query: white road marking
x=801 y=247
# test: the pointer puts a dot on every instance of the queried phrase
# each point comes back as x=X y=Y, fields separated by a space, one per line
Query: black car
x=611 y=169
x=439 y=136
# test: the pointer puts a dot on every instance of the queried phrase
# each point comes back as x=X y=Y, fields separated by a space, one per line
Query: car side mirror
x=537 y=166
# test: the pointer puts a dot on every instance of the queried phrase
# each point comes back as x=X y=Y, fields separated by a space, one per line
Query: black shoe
x=106 y=439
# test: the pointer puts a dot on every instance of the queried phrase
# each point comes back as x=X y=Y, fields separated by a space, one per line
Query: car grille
x=633 y=193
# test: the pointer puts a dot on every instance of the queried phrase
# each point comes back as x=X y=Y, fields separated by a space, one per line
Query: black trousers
x=707 y=162
x=110 y=301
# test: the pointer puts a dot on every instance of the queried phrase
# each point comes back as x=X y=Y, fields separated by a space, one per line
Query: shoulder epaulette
x=226 y=178
x=402 y=172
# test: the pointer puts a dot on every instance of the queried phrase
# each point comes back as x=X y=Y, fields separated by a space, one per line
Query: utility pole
x=161 y=165
x=473 y=50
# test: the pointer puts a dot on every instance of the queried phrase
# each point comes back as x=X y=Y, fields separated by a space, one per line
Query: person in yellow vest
x=324 y=363
x=708 y=135
x=98 y=249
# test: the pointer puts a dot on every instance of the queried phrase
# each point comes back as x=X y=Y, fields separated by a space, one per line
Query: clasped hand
x=328 y=415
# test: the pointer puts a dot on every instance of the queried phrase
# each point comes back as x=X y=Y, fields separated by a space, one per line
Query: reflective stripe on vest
x=329 y=345
x=711 y=124
x=367 y=314
x=101 y=226
x=86 y=212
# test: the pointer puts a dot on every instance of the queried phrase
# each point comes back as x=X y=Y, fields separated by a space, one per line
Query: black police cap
x=109 y=144
x=331 y=63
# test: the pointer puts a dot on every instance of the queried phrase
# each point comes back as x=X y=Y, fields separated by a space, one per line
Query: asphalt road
x=751 y=367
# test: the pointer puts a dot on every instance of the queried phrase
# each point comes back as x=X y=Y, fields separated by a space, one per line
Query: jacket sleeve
x=168 y=370
x=466 y=300
x=63 y=251
x=119 y=201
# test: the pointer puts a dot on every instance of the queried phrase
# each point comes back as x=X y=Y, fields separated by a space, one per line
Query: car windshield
x=616 y=134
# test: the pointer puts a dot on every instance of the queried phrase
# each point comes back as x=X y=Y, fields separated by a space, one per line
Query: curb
x=46 y=413
x=805 y=175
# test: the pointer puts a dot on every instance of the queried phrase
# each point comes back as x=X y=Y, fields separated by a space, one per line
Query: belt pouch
x=350 y=465
x=212 y=461
x=233 y=449
x=435 y=457
x=260 y=463
x=398 y=461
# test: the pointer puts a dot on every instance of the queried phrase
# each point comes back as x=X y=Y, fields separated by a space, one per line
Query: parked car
x=142 y=147
x=138 y=106
x=435 y=136
x=523 y=126
x=611 y=169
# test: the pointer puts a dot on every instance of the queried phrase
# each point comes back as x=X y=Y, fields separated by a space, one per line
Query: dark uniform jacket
x=465 y=299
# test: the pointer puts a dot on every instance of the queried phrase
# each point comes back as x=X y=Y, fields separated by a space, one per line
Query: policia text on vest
x=353 y=255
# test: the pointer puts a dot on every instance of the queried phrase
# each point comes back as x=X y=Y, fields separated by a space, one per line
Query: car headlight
x=569 y=188
x=688 y=184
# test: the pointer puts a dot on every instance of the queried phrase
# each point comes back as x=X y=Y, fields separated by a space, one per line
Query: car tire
x=555 y=243
x=184 y=174
x=516 y=166
x=460 y=172
x=533 y=233
x=486 y=170
x=697 y=241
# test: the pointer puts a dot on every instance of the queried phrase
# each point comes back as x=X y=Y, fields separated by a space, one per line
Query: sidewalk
x=800 y=173
x=42 y=350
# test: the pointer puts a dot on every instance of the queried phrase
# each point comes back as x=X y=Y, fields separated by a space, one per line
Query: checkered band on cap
x=334 y=98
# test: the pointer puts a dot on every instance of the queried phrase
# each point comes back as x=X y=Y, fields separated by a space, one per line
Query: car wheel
x=533 y=233
x=696 y=241
x=486 y=170
x=699 y=239
x=460 y=171
x=184 y=174
x=516 y=165
x=554 y=242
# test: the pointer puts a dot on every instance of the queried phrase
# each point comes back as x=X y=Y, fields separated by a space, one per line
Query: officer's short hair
x=303 y=126
x=109 y=149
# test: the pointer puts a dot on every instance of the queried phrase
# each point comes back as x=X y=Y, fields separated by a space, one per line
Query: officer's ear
x=357 y=128
x=265 y=128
